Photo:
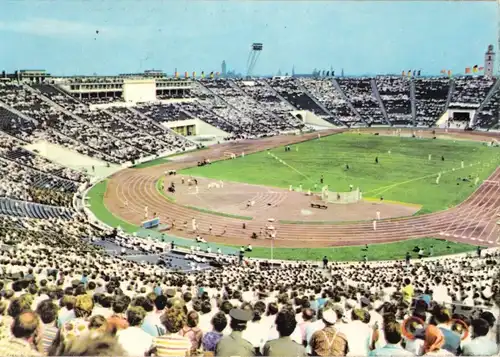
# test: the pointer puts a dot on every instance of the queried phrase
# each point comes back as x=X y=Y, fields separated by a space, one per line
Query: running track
x=473 y=221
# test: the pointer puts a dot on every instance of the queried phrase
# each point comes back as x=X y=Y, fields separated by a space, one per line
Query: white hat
x=329 y=316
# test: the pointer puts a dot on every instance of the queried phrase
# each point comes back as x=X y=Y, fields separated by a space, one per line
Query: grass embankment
x=404 y=172
x=97 y=206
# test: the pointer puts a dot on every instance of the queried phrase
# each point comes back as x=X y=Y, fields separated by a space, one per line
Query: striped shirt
x=171 y=345
x=48 y=336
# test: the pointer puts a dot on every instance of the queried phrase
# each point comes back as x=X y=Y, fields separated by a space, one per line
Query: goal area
x=340 y=197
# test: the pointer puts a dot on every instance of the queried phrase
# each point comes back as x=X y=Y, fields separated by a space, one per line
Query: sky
x=361 y=37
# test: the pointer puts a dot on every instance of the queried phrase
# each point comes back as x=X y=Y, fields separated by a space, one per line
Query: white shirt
x=135 y=341
x=359 y=336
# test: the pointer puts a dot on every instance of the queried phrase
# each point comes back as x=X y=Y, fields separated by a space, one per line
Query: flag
x=333 y=73
x=202 y=74
x=414 y=72
x=194 y=75
x=467 y=70
x=474 y=69
x=418 y=73
x=217 y=74
x=443 y=71
x=404 y=74
x=176 y=74
x=481 y=68
x=328 y=73
x=211 y=74
x=186 y=75
x=409 y=73
x=449 y=73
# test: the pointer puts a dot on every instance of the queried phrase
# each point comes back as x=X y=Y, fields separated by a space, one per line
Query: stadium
x=218 y=214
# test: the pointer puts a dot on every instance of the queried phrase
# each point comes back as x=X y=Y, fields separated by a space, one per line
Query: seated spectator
x=192 y=331
x=133 y=339
x=392 y=333
x=443 y=319
x=284 y=346
x=210 y=339
x=152 y=322
x=359 y=334
x=235 y=344
x=172 y=343
x=119 y=318
x=24 y=335
x=434 y=342
x=480 y=345
x=328 y=341
x=47 y=311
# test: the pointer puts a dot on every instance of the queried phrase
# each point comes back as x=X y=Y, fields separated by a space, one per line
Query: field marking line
x=290 y=166
x=386 y=188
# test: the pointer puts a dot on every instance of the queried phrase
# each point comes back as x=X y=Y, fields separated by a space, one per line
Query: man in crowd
x=284 y=346
x=234 y=344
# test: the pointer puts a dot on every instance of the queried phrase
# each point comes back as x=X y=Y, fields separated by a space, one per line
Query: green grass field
x=404 y=172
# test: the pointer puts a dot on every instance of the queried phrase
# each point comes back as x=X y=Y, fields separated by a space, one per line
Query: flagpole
x=272 y=251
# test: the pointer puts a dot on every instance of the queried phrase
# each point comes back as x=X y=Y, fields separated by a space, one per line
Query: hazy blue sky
x=361 y=37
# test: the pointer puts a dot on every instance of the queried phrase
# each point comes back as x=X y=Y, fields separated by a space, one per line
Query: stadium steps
x=144 y=116
x=65 y=181
x=375 y=92
x=245 y=94
x=342 y=93
x=121 y=120
x=322 y=107
x=413 y=103
x=486 y=101
x=18 y=208
x=76 y=117
x=270 y=88
x=224 y=101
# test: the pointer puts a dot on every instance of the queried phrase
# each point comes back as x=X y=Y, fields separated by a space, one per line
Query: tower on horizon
x=223 y=68
x=489 y=61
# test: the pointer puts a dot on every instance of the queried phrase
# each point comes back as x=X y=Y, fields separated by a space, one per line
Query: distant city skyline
x=109 y=37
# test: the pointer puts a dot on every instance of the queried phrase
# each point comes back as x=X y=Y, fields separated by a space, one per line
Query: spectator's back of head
x=392 y=332
x=102 y=345
x=480 y=327
x=219 y=321
x=47 y=310
x=285 y=322
x=25 y=325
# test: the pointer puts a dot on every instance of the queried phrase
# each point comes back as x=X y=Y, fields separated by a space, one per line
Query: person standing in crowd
x=284 y=346
x=407 y=291
x=328 y=341
x=234 y=344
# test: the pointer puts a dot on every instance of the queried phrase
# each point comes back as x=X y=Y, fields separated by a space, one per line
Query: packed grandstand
x=71 y=286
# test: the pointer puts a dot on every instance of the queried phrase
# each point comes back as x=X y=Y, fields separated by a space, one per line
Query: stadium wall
x=311 y=118
x=139 y=90
x=201 y=128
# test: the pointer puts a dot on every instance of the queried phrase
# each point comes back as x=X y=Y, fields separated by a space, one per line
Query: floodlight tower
x=253 y=56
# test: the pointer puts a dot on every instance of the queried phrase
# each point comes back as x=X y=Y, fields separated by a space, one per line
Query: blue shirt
x=390 y=350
